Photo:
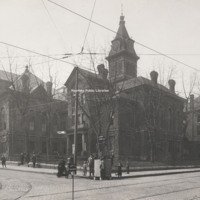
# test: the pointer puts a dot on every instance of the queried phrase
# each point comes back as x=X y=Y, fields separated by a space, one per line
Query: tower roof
x=122 y=32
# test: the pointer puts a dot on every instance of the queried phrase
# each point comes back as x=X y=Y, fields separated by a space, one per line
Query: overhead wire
x=88 y=27
x=54 y=24
x=44 y=55
x=139 y=43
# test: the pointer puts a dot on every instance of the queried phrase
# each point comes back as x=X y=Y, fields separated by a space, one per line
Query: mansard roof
x=139 y=81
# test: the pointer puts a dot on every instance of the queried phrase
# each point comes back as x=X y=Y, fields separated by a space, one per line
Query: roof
x=122 y=32
x=84 y=73
x=138 y=81
x=34 y=81
x=8 y=76
x=122 y=44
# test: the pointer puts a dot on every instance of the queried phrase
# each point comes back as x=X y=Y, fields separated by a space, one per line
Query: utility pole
x=76 y=117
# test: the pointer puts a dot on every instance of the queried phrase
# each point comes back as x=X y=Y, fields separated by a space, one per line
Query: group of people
x=90 y=164
x=25 y=158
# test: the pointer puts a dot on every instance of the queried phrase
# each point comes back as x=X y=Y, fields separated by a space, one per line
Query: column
x=83 y=143
x=68 y=146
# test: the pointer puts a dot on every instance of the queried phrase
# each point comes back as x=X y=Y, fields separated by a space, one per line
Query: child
x=3 y=160
x=84 y=168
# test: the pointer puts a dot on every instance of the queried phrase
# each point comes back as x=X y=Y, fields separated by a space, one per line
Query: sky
x=167 y=26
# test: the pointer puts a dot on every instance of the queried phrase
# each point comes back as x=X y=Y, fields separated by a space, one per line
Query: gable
x=38 y=92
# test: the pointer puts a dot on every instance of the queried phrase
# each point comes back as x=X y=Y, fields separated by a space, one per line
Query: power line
x=53 y=22
x=56 y=59
x=88 y=26
x=145 y=46
x=31 y=51
x=67 y=55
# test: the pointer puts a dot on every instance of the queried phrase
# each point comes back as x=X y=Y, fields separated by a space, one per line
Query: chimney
x=49 y=88
x=154 y=76
x=172 y=83
x=103 y=72
x=191 y=102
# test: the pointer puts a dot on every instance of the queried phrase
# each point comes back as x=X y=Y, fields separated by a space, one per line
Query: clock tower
x=122 y=58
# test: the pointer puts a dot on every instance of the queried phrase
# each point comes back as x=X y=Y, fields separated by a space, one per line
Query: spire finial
x=122 y=9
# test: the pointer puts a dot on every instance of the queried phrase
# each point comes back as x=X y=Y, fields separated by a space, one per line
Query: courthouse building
x=124 y=114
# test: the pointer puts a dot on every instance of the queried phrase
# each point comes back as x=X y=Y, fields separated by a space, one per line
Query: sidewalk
x=79 y=174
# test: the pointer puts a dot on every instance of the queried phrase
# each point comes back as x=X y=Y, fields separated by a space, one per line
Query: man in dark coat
x=34 y=159
x=27 y=159
x=91 y=165
x=119 y=169
x=22 y=158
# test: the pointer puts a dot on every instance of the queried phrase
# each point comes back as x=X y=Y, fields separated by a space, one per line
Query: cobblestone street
x=25 y=185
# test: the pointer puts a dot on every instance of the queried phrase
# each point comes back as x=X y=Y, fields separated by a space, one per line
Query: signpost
x=72 y=169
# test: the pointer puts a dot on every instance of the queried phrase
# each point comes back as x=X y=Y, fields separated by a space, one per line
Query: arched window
x=3 y=119
x=55 y=122
x=170 y=119
x=44 y=123
x=178 y=121
x=31 y=121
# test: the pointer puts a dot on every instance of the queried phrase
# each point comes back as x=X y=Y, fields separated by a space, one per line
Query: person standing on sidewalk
x=22 y=158
x=3 y=160
x=127 y=167
x=27 y=159
x=34 y=159
x=84 y=168
x=119 y=169
x=102 y=170
x=91 y=165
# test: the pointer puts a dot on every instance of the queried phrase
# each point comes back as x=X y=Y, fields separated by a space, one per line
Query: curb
x=113 y=177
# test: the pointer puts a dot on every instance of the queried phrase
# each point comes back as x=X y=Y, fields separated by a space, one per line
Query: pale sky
x=168 y=26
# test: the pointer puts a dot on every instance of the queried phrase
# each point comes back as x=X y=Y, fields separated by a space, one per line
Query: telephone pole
x=76 y=117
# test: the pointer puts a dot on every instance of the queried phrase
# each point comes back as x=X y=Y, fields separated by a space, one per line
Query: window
x=43 y=122
x=83 y=119
x=178 y=121
x=64 y=147
x=119 y=68
x=31 y=125
x=32 y=146
x=2 y=119
x=198 y=129
x=82 y=98
x=170 y=119
x=198 y=116
x=73 y=100
x=73 y=119
x=55 y=147
x=44 y=149
x=79 y=119
x=129 y=68
x=55 y=122
x=63 y=124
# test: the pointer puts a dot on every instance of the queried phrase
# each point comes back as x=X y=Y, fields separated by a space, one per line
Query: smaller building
x=30 y=118
x=192 y=126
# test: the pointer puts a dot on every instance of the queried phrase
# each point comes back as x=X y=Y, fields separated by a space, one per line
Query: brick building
x=30 y=117
x=192 y=123
x=120 y=113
